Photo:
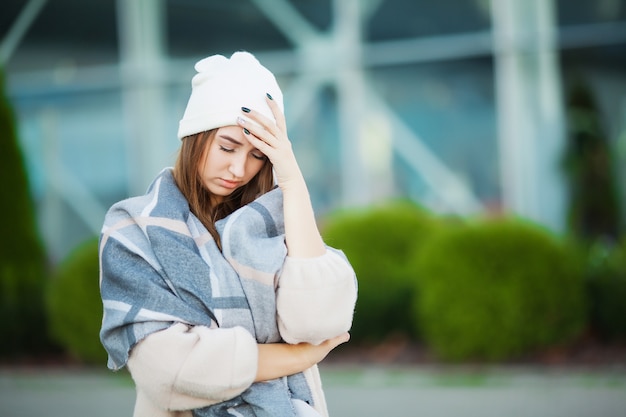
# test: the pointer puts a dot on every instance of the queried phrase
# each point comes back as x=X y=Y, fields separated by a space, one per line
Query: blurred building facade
x=458 y=105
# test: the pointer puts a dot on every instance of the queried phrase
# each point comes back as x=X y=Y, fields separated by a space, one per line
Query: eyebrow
x=228 y=138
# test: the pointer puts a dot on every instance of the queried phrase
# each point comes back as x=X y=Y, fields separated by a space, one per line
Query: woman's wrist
x=294 y=181
x=281 y=359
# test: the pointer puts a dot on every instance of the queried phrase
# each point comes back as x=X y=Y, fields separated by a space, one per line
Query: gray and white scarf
x=159 y=265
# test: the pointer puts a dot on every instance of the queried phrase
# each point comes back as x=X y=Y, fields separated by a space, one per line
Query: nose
x=237 y=165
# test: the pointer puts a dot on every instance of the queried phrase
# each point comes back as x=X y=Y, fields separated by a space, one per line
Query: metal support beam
x=451 y=194
x=336 y=58
x=143 y=71
x=333 y=58
x=349 y=83
x=288 y=20
x=19 y=28
x=529 y=110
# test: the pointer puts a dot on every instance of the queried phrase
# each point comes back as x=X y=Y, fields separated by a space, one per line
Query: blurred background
x=458 y=105
x=469 y=156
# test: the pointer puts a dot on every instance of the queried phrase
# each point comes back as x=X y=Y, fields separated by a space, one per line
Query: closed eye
x=226 y=149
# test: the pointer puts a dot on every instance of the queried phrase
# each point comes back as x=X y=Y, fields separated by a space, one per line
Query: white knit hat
x=222 y=87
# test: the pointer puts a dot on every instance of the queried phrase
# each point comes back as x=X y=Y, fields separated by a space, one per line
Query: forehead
x=234 y=132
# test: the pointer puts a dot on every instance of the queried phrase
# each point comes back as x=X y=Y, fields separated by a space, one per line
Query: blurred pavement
x=352 y=391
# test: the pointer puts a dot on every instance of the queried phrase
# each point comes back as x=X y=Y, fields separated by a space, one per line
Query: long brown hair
x=188 y=180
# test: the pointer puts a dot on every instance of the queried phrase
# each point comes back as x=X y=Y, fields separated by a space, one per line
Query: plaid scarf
x=159 y=265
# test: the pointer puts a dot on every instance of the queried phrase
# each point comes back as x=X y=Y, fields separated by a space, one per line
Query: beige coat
x=186 y=367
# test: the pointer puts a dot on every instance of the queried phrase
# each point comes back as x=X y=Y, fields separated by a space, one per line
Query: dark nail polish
x=246 y=131
x=245 y=110
x=269 y=96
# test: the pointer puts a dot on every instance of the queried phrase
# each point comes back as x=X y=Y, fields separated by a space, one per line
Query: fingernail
x=269 y=96
x=241 y=120
x=245 y=110
x=246 y=131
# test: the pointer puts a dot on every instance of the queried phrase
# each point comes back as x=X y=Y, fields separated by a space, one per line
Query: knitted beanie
x=222 y=87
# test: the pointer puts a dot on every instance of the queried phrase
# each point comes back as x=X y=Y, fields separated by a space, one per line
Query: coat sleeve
x=185 y=367
x=315 y=298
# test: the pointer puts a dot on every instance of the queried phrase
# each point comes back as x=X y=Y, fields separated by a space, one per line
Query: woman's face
x=229 y=162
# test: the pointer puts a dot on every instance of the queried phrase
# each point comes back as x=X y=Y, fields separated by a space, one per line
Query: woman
x=219 y=294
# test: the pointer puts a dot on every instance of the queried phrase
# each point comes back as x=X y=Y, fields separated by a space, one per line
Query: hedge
x=606 y=286
x=74 y=304
x=23 y=264
x=496 y=290
x=379 y=242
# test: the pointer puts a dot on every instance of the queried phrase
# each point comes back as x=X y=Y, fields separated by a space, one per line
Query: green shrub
x=496 y=290
x=74 y=304
x=22 y=256
x=379 y=242
x=606 y=283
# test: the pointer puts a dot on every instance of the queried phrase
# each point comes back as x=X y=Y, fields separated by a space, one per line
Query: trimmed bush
x=606 y=283
x=379 y=242
x=74 y=304
x=496 y=290
x=22 y=256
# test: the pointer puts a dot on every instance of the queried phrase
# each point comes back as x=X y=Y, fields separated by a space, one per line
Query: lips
x=229 y=184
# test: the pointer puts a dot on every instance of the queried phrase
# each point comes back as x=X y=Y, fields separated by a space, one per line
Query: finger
x=343 y=338
x=278 y=115
x=338 y=340
x=259 y=118
x=257 y=142
x=257 y=131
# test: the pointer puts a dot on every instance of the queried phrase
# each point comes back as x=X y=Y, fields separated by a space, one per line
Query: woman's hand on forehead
x=271 y=138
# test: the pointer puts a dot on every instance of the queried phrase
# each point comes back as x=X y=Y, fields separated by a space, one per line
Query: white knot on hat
x=222 y=87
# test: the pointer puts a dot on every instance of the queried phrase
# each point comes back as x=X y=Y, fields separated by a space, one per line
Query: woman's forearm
x=280 y=359
x=301 y=233
x=276 y=360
